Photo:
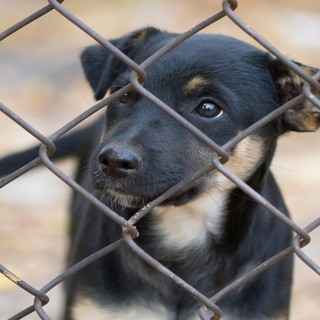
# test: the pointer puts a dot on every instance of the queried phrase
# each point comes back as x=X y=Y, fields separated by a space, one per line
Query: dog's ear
x=302 y=117
x=101 y=66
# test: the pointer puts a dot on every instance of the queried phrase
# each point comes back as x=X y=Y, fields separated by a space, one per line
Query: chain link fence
x=210 y=307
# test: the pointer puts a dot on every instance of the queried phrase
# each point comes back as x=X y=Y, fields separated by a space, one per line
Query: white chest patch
x=87 y=309
x=191 y=224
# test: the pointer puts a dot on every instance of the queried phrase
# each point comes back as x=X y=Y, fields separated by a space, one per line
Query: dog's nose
x=118 y=163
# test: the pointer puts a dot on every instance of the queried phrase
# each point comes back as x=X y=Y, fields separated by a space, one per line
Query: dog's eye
x=209 y=109
x=124 y=99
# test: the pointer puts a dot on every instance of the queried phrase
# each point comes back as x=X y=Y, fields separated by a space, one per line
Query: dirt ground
x=42 y=81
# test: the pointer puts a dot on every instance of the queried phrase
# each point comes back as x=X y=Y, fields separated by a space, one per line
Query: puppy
x=210 y=232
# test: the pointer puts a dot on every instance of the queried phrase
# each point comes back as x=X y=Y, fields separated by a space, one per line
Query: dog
x=210 y=232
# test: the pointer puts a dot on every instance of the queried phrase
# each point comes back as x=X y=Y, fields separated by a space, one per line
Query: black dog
x=209 y=233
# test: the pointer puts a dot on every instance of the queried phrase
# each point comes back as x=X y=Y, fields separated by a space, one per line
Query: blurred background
x=42 y=81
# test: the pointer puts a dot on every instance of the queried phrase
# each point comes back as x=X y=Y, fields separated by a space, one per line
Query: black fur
x=143 y=152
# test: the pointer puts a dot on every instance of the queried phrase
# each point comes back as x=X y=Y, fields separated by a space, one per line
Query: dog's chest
x=180 y=227
x=88 y=309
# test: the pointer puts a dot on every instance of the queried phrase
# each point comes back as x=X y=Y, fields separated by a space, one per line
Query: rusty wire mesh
x=210 y=307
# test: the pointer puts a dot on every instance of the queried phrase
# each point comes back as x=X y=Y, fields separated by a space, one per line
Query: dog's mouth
x=125 y=199
x=137 y=193
x=131 y=200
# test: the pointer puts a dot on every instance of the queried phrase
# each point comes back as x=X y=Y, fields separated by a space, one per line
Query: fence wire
x=210 y=309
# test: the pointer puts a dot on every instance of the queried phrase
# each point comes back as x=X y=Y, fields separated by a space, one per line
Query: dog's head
x=219 y=84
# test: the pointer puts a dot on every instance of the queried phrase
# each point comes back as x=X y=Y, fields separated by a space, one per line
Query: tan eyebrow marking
x=195 y=83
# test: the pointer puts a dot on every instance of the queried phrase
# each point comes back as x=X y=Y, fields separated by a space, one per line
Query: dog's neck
x=191 y=225
x=213 y=219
